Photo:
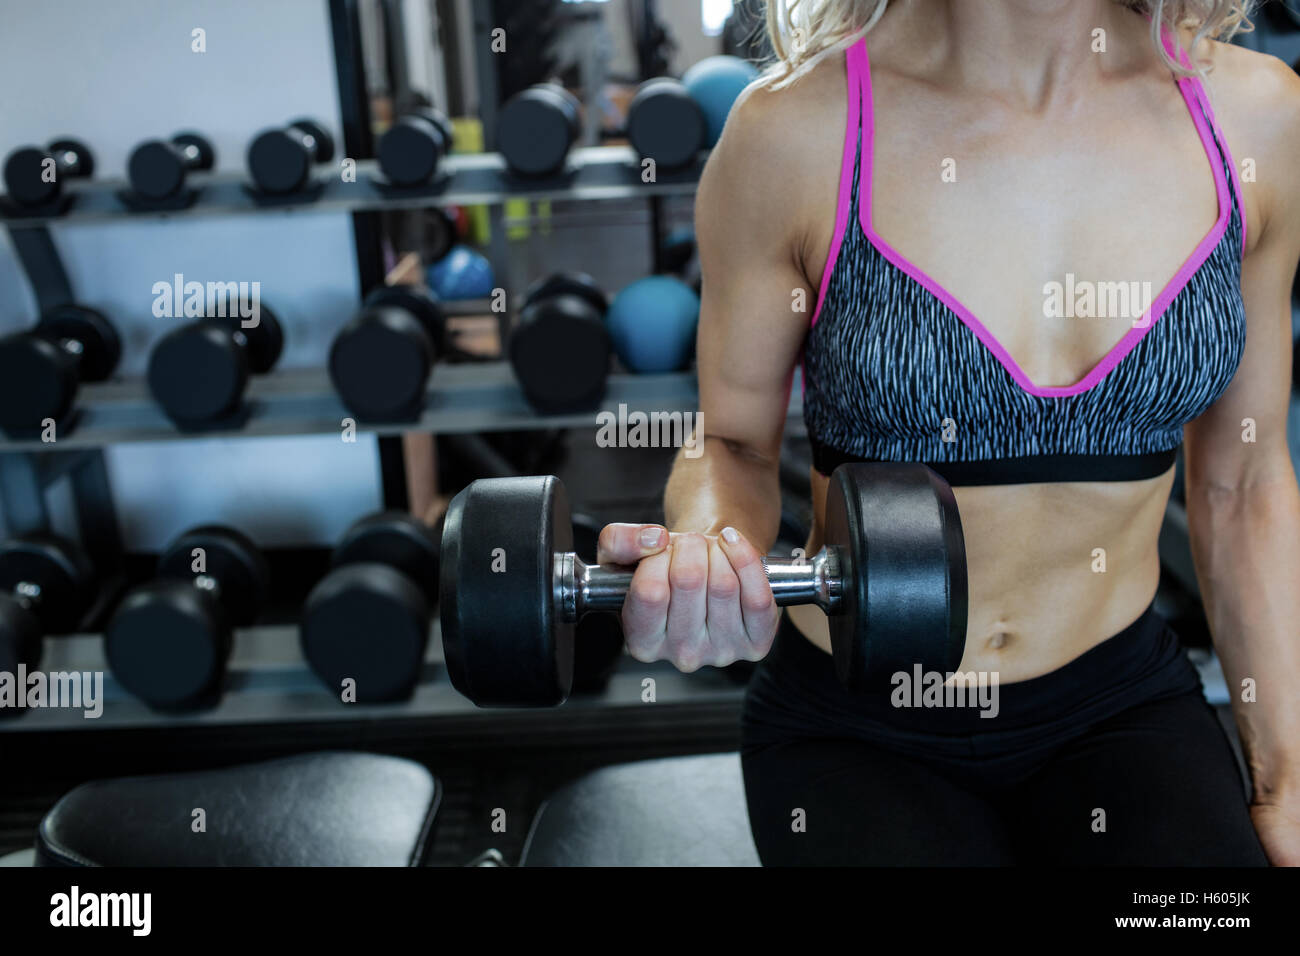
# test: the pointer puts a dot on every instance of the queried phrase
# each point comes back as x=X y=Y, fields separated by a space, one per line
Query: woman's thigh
x=819 y=802
x=1156 y=785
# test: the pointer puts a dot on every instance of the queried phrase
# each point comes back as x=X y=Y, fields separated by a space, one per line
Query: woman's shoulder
x=1258 y=93
x=784 y=135
x=1256 y=101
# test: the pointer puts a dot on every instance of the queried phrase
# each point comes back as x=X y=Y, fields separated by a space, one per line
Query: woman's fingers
x=757 y=607
x=688 y=581
x=629 y=543
x=727 y=641
x=645 y=609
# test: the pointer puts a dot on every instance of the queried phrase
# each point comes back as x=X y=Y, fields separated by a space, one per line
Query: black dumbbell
x=368 y=620
x=598 y=641
x=381 y=360
x=47 y=585
x=560 y=349
x=412 y=149
x=169 y=641
x=280 y=160
x=891 y=579
x=198 y=372
x=41 y=369
x=157 y=168
x=536 y=129
x=665 y=123
x=34 y=176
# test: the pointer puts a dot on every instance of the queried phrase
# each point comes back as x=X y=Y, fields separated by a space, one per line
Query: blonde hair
x=804 y=32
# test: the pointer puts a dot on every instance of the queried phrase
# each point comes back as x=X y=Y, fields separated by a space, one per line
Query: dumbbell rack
x=268 y=681
x=594 y=174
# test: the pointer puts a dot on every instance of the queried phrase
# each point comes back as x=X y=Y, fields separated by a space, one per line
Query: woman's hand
x=1278 y=825
x=696 y=600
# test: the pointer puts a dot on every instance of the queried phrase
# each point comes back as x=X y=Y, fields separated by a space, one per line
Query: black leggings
x=1114 y=758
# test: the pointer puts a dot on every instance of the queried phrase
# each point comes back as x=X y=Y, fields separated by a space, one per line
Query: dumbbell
x=368 y=619
x=560 y=349
x=34 y=176
x=46 y=587
x=598 y=642
x=169 y=641
x=536 y=129
x=381 y=360
x=280 y=160
x=664 y=123
x=891 y=579
x=157 y=168
x=198 y=372
x=41 y=369
x=412 y=149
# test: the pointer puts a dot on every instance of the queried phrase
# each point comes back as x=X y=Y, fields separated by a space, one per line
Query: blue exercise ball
x=715 y=83
x=463 y=273
x=653 y=322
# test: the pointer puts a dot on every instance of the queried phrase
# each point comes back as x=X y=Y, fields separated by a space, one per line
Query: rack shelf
x=461 y=398
x=268 y=682
x=593 y=173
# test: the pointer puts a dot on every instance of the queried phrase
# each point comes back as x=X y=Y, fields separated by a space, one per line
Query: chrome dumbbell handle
x=582 y=587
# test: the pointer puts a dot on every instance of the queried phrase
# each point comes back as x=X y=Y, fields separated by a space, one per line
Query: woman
x=930 y=175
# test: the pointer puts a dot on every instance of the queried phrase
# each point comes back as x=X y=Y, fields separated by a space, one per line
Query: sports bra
x=896 y=369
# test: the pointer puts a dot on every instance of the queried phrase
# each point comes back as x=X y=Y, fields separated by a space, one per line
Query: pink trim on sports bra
x=852 y=57
x=1187 y=86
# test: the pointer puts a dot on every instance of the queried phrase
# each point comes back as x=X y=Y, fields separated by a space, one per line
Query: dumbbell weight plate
x=560 y=351
x=205 y=156
x=265 y=340
x=278 y=160
x=535 y=130
x=903 y=562
x=665 y=124
x=368 y=620
x=418 y=303
x=503 y=645
x=101 y=349
x=370 y=624
x=231 y=559
x=168 y=644
x=84 y=159
x=410 y=151
x=198 y=372
x=380 y=364
x=381 y=360
x=61 y=572
x=568 y=283
x=396 y=539
x=443 y=122
x=23 y=169
x=38 y=378
x=324 y=141
x=155 y=169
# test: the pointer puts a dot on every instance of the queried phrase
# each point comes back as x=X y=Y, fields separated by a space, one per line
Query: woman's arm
x=749 y=214
x=1243 y=505
x=768 y=185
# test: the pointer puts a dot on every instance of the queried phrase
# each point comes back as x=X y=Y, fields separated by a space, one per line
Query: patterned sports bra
x=896 y=369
